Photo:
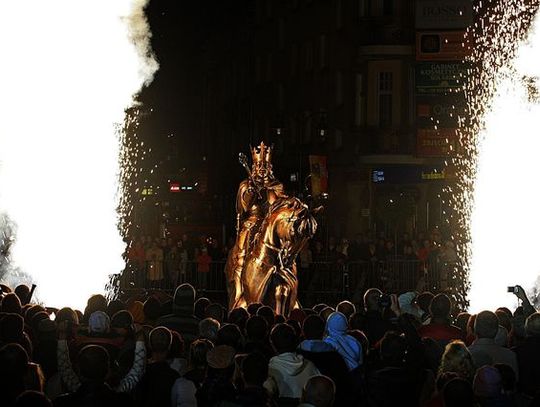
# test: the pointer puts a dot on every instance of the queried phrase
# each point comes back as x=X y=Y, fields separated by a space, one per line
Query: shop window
x=385 y=87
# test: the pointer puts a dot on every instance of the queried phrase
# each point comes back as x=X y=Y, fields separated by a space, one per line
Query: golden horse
x=269 y=272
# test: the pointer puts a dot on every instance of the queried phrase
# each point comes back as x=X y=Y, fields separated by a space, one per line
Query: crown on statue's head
x=261 y=154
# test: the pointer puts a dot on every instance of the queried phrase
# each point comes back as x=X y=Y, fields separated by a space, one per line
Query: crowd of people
x=167 y=262
x=153 y=349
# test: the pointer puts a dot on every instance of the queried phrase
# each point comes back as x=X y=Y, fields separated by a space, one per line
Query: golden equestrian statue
x=272 y=228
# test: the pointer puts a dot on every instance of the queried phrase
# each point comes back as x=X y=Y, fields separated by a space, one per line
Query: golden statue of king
x=271 y=229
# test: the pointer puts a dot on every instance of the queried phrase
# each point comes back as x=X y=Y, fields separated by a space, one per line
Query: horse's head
x=294 y=225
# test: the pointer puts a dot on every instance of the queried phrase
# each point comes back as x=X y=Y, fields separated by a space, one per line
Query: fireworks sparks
x=73 y=69
x=492 y=161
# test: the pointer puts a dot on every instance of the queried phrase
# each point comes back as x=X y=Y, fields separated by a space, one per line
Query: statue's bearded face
x=262 y=171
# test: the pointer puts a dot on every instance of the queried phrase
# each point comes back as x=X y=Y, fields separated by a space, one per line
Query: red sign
x=442 y=46
x=174 y=187
x=436 y=142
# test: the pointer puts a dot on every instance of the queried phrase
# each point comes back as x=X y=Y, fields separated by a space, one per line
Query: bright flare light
x=506 y=218
x=69 y=69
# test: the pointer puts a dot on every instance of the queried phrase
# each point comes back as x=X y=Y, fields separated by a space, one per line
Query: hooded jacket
x=288 y=373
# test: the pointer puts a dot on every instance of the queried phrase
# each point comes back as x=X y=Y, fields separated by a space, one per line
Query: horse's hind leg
x=282 y=295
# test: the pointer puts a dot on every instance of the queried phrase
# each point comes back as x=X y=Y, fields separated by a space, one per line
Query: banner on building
x=442 y=46
x=443 y=14
x=436 y=142
x=319 y=174
x=439 y=78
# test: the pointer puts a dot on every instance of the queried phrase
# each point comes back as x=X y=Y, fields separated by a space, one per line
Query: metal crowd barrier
x=320 y=281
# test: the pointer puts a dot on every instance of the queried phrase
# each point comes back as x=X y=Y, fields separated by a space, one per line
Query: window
x=322 y=51
x=384 y=87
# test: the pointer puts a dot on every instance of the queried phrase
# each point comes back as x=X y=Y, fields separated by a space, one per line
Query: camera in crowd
x=513 y=289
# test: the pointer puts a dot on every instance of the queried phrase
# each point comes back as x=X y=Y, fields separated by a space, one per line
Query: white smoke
x=505 y=222
x=69 y=70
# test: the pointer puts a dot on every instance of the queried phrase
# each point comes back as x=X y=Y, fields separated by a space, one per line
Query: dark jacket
x=156 y=384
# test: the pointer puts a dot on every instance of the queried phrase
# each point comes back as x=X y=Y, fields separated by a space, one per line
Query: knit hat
x=487 y=382
x=99 y=322
x=184 y=299
x=221 y=357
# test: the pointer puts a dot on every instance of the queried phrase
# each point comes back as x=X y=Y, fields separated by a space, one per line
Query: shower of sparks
x=71 y=70
x=494 y=214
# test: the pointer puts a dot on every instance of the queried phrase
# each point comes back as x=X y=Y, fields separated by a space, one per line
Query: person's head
x=326 y=312
x=96 y=302
x=486 y=325
x=254 y=369
x=336 y=324
x=532 y=325
x=184 y=300
x=160 y=340
x=371 y=299
x=505 y=319
x=115 y=306
x=313 y=327
x=461 y=321
x=256 y=328
x=238 y=316
x=215 y=311
x=440 y=307
x=347 y=308
x=424 y=301
x=11 y=304
x=93 y=363
x=393 y=349
x=197 y=353
x=267 y=313
x=32 y=398
x=11 y=328
x=457 y=358
x=319 y=391
x=13 y=361
x=458 y=392
x=99 y=323
x=200 y=307
x=151 y=309
x=487 y=382
x=66 y=314
x=122 y=320
x=23 y=292
x=208 y=329
x=253 y=308
x=283 y=338
x=229 y=334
